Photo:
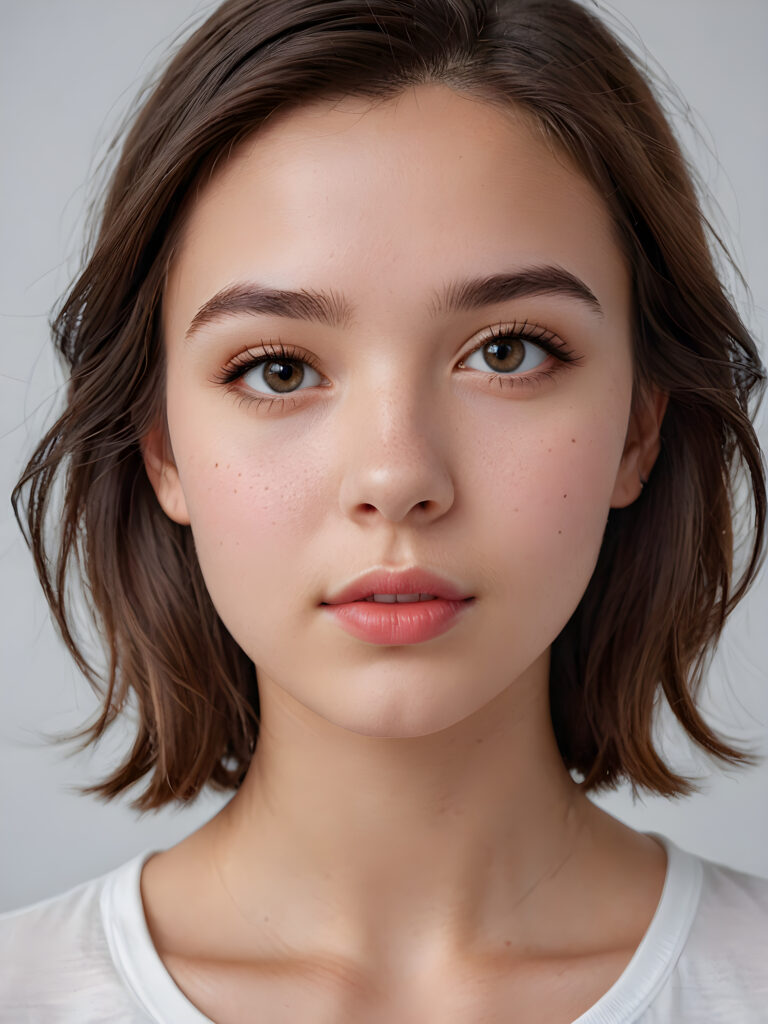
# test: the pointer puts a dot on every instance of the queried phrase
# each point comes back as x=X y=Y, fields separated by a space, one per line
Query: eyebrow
x=333 y=310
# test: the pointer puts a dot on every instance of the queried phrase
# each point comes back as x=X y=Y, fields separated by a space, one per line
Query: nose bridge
x=395 y=453
x=394 y=401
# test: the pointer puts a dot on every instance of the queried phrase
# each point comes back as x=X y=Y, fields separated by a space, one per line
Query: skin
x=407 y=830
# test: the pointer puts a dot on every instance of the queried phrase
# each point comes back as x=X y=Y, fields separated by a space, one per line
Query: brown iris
x=283 y=376
x=508 y=355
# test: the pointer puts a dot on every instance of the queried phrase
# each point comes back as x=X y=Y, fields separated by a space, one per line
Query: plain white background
x=67 y=74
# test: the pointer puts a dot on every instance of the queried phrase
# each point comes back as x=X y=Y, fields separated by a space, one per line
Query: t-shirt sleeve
x=721 y=976
x=55 y=964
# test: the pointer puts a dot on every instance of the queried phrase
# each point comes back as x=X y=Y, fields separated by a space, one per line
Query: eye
x=507 y=354
x=271 y=375
x=278 y=375
x=514 y=353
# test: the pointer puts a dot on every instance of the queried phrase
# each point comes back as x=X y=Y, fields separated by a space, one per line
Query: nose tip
x=410 y=478
x=396 y=507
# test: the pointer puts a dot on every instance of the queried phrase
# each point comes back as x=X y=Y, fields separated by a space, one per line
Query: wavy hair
x=664 y=581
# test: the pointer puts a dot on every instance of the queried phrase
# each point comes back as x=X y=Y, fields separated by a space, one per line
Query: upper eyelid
x=546 y=339
x=531 y=332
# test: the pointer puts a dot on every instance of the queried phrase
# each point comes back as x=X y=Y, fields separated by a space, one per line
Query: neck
x=446 y=841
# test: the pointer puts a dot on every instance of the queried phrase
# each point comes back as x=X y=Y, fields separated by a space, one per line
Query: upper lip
x=404 y=581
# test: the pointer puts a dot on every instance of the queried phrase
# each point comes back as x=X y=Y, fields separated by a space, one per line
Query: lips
x=407 y=581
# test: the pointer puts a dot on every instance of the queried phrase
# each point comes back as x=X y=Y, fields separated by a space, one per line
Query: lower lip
x=410 y=622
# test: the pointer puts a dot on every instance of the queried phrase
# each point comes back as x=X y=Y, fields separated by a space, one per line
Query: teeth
x=400 y=598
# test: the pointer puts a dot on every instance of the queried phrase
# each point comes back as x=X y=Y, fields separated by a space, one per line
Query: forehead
x=391 y=198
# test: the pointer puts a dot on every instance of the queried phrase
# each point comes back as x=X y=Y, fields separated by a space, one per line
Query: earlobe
x=163 y=475
x=641 y=448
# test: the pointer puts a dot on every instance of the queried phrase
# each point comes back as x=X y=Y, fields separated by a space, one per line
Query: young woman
x=399 y=459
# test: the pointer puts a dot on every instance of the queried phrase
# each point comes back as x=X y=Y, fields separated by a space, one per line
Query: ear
x=641 y=446
x=163 y=475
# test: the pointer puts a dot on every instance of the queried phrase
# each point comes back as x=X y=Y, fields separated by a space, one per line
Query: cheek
x=253 y=508
x=555 y=490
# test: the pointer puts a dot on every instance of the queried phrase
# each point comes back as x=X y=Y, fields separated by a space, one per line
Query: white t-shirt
x=86 y=956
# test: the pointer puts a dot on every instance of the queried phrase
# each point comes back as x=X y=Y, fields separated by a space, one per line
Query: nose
x=394 y=457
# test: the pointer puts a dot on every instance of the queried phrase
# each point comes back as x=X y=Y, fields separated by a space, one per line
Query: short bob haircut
x=664 y=581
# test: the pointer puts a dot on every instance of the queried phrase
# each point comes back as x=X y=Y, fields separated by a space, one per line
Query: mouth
x=393 y=599
x=390 y=600
x=382 y=587
x=393 y=620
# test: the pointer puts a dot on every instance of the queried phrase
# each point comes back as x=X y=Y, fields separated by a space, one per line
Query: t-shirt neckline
x=660 y=947
x=134 y=954
x=152 y=986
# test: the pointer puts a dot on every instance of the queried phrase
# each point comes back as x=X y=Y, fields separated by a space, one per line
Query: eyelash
x=277 y=351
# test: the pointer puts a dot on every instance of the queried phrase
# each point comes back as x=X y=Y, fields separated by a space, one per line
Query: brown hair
x=663 y=584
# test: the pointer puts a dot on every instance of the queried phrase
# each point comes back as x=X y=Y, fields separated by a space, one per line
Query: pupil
x=285 y=371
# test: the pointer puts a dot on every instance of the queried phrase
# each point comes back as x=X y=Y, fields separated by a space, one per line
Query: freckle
x=239 y=474
x=217 y=465
x=573 y=440
x=559 y=531
x=236 y=492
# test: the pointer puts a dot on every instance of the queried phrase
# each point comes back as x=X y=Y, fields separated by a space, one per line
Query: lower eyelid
x=261 y=363
x=560 y=359
x=541 y=350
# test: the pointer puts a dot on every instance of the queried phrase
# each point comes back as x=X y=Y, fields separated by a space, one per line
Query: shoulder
x=57 y=963
x=53 y=928
x=731 y=924
x=721 y=973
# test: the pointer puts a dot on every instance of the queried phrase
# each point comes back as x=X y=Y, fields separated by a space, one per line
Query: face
x=406 y=431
